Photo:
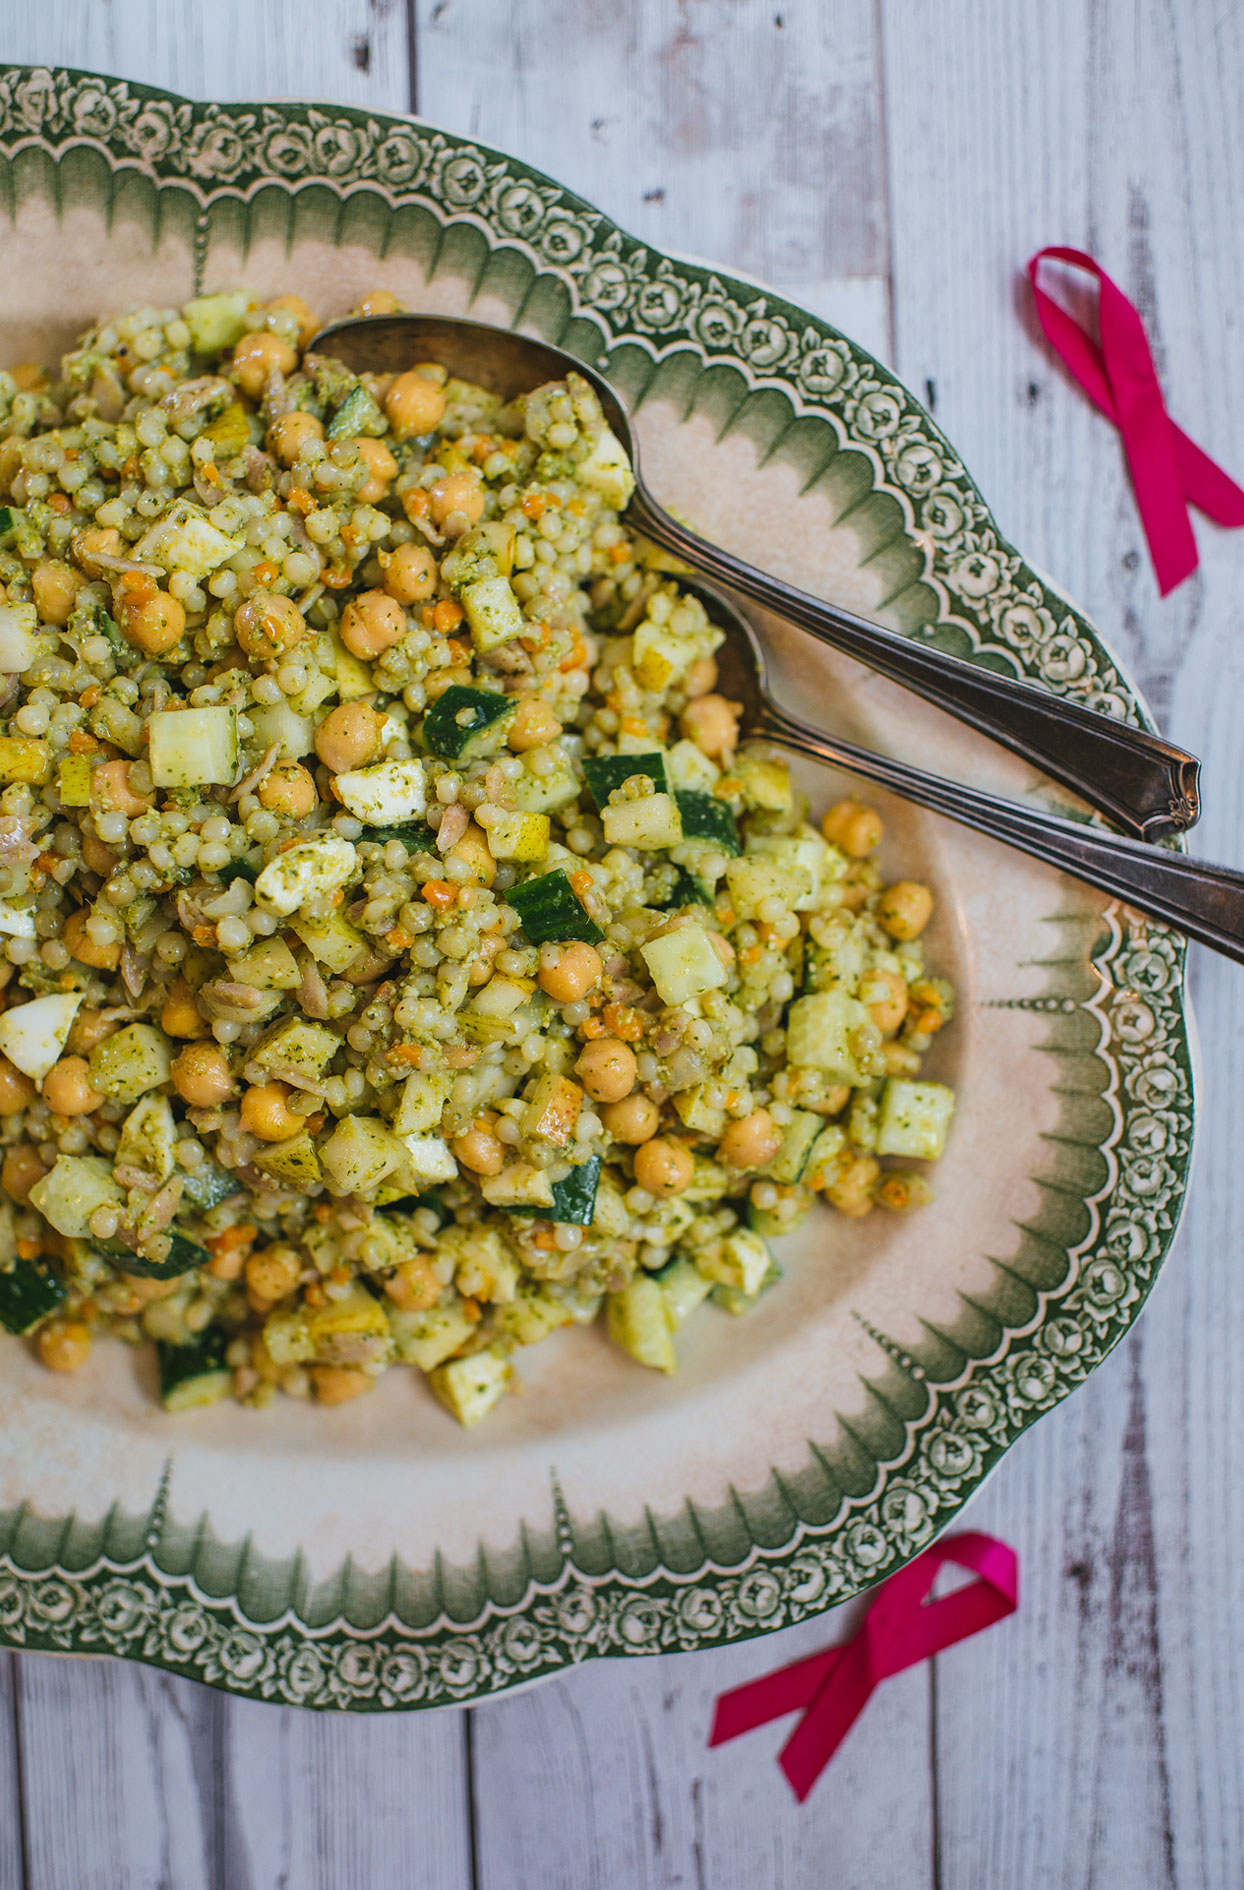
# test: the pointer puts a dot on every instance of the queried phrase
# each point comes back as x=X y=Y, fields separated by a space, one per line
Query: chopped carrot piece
x=439 y=893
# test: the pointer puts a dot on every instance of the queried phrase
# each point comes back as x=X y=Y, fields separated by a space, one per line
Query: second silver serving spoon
x=1145 y=785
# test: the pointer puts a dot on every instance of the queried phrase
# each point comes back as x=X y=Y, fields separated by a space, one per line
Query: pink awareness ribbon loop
x=1169 y=471
x=901 y=1629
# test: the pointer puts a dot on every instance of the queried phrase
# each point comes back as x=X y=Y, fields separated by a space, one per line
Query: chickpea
x=712 y=724
x=633 y=1120
x=885 y=995
x=473 y=851
x=271 y=1275
x=380 y=302
x=607 y=1068
x=64 y=1345
x=480 y=1149
x=21 y=1169
x=96 y=857
x=180 y=1015
x=94 y=543
x=67 y=1088
x=348 y=737
x=308 y=322
x=413 y=1286
x=254 y=358
x=700 y=677
x=751 y=1142
x=414 y=405
x=266 y=1112
x=289 y=789
x=905 y=908
x=17 y=1092
x=853 y=827
x=533 y=726
x=112 y=793
x=80 y=945
x=459 y=495
x=267 y=625
x=201 y=1076
x=568 y=972
x=663 y=1167
x=851 y=1190
x=288 y=435
x=409 y=573
x=371 y=624
x=89 y=1028
x=381 y=471
x=337 y=1384
x=55 y=585
x=156 y=625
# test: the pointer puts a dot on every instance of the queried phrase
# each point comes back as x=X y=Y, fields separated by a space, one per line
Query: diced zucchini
x=186 y=539
x=32 y=1036
x=358 y=1155
x=638 y=1319
x=753 y=879
x=427 y=1160
x=195 y=1375
x=531 y=1315
x=519 y=836
x=70 y=1192
x=839 y=958
x=493 y=612
x=208 y=1185
x=650 y=823
x=238 y=869
x=424 y=1096
x=354 y=677
x=662 y=654
x=28 y=1293
x=519 y=1185
x=297 y=1042
x=193 y=747
x=466 y=723
x=704 y=817
x=684 y=1287
x=690 y=770
x=230 y=431
x=294 y=1160
x=683 y=964
x=487 y=550
x=544 y=793
x=333 y=941
x=805 y=857
x=348 y=1331
x=695 y=1113
x=733 y=1299
x=357 y=413
x=764 y=784
x=427 y=1338
x=685 y=891
x=915 y=1119
x=19 y=624
x=497 y=1001
x=709 y=1180
x=608 y=470
x=485 y=1266
x=125 y=1066
x=771 y=1225
x=389 y=791
x=740 y=1260
x=269 y=965
x=275 y=724
x=819 y=1035
x=22 y=758
x=605 y=774
x=827 y=1153
x=313 y=866
x=469 y=1387
x=798 y=1141
x=574 y=1196
x=148 y=1137
x=183 y=1256
x=610 y=1215
x=552 y=1109
x=216 y=321
x=550 y=910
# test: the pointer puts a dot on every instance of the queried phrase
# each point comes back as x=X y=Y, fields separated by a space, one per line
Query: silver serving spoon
x=1205 y=902
x=1144 y=784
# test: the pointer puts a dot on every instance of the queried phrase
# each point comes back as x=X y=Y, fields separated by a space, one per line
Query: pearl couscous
x=403 y=956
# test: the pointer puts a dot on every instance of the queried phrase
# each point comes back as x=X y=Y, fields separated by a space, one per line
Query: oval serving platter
x=377 y=1557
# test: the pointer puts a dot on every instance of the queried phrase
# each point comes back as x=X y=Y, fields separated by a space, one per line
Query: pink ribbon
x=1169 y=472
x=900 y=1629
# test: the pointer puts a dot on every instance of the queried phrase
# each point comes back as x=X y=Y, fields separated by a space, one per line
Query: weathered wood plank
x=1111 y=1710
x=742 y=132
x=355 y=51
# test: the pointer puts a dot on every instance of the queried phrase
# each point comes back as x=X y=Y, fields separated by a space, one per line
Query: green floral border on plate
x=937 y=1418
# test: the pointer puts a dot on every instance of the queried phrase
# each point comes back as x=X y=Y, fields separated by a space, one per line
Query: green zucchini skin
x=445 y=735
x=704 y=817
x=207 y=1186
x=195 y=1374
x=686 y=891
x=574 y=1196
x=183 y=1257
x=415 y=835
x=550 y=910
x=604 y=773
x=27 y=1295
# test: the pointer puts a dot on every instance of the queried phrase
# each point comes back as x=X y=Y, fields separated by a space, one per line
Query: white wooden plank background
x=892 y=165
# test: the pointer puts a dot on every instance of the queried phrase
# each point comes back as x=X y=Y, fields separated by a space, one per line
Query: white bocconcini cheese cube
x=427 y=1160
x=608 y=470
x=193 y=747
x=217 y=321
x=33 y=1035
x=386 y=793
x=69 y=1195
x=650 y=823
x=684 y=964
x=819 y=1030
x=493 y=612
x=131 y=1062
x=915 y=1119
x=332 y=941
x=186 y=539
x=312 y=866
x=689 y=768
x=18 y=646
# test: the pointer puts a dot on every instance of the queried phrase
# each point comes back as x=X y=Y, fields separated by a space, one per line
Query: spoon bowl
x=1142 y=783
